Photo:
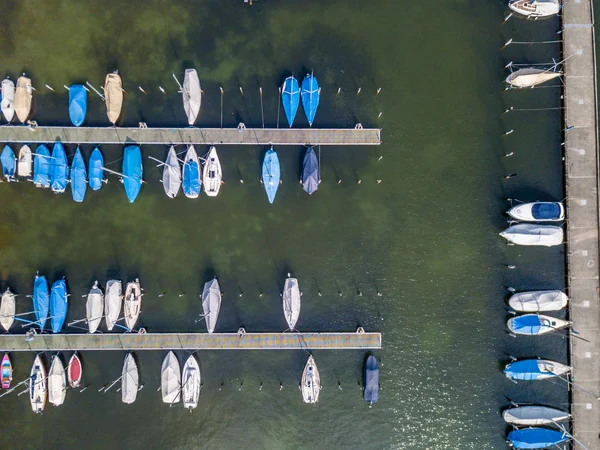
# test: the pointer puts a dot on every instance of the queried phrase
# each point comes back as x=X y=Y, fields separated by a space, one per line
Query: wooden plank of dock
x=190 y=341
x=207 y=136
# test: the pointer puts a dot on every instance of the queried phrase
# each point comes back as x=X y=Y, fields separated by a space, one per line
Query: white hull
x=23 y=98
x=8 y=100
x=538 y=301
x=38 y=386
x=129 y=380
x=132 y=304
x=547 y=324
x=535 y=8
x=94 y=308
x=211 y=303
x=57 y=382
x=25 y=162
x=534 y=415
x=192 y=156
x=113 y=302
x=7 y=309
x=113 y=94
x=534 y=235
x=529 y=77
x=192 y=95
x=311 y=382
x=170 y=379
x=211 y=173
x=524 y=212
x=171 y=178
x=291 y=301
x=190 y=383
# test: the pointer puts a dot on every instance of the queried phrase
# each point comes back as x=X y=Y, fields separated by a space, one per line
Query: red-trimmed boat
x=75 y=371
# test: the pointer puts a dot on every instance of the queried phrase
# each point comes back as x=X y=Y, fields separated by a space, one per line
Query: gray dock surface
x=581 y=170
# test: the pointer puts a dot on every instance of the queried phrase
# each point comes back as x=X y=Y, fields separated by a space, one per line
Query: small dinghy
x=57 y=382
x=536 y=438
x=291 y=301
x=7 y=309
x=190 y=383
x=59 y=169
x=529 y=77
x=371 y=390
x=41 y=300
x=532 y=234
x=94 y=307
x=192 y=95
x=290 y=97
x=271 y=174
x=211 y=174
x=113 y=94
x=78 y=177
x=77 y=104
x=534 y=324
x=133 y=303
x=112 y=302
x=9 y=163
x=538 y=301
x=171 y=177
x=6 y=371
x=310 y=172
x=23 y=98
x=74 y=371
x=534 y=369
x=170 y=379
x=38 y=387
x=58 y=305
x=96 y=170
x=41 y=167
x=132 y=171
x=191 y=173
x=532 y=415
x=310 y=97
x=129 y=380
x=311 y=382
x=535 y=8
x=211 y=303
x=25 y=162
x=538 y=212
x=8 y=99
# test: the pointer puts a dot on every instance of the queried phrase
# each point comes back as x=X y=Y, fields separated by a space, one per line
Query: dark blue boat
x=41 y=167
x=77 y=104
x=41 y=300
x=290 y=97
x=96 y=169
x=310 y=97
x=9 y=163
x=132 y=171
x=78 y=177
x=59 y=169
x=371 y=392
x=271 y=174
x=536 y=438
x=310 y=172
x=58 y=305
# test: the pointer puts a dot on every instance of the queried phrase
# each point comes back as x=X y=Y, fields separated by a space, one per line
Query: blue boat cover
x=290 y=97
x=96 y=170
x=58 y=305
x=536 y=438
x=41 y=166
x=271 y=174
x=545 y=211
x=132 y=169
x=59 y=169
x=310 y=97
x=78 y=177
x=77 y=104
x=41 y=300
x=527 y=324
x=526 y=369
x=310 y=172
x=191 y=178
x=8 y=162
x=371 y=393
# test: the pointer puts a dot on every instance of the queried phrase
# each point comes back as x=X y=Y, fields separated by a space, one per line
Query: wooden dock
x=207 y=136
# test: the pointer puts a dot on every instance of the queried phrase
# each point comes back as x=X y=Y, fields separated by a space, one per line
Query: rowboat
x=38 y=387
x=211 y=303
x=271 y=174
x=78 y=177
x=310 y=97
x=171 y=177
x=534 y=415
x=112 y=302
x=58 y=305
x=170 y=379
x=113 y=94
x=41 y=167
x=535 y=324
x=133 y=303
x=59 y=169
x=311 y=382
x=534 y=369
x=77 y=104
x=25 y=162
x=190 y=383
x=371 y=390
x=94 y=307
x=96 y=171
x=211 y=174
x=192 y=95
x=8 y=99
x=57 y=382
x=533 y=234
x=535 y=8
x=538 y=212
x=6 y=371
x=41 y=300
x=129 y=380
x=74 y=371
x=291 y=301
x=529 y=77
x=536 y=438
x=534 y=301
x=8 y=160
x=290 y=97
x=23 y=98
x=132 y=171
x=7 y=309
x=310 y=172
x=191 y=173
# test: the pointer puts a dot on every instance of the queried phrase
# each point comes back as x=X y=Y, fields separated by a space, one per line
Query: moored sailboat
x=113 y=301
x=290 y=97
x=59 y=169
x=534 y=301
x=78 y=177
x=535 y=8
x=535 y=324
x=8 y=99
x=170 y=379
x=310 y=172
x=6 y=372
x=211 y=303
x=25 y=162
x=311 y=382
x=132 y=171
x=94 y=307
x=9 y=164
x=23 y=98
x=96 y=171
x=129 y=380
x=271 y=174
x=191 y=173
x=7 y=309
x=132 y=304
x=538 y=212
x=211 y=173
x=311 y=92
x=113 y=94
x=531 y=415
x=291 y=301
x=41 y=300
x=41 y=167
x=534 y=369
x=77 y=104
x=192 y=95
x=191 y=382
x=57 y=382
x=534 y=235
x=530 y=77
x=58 y=305
x=371 y=384
x=171 y=177
x=38 y=386
x=74 y=371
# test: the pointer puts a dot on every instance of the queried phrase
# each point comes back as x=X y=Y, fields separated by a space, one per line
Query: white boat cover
x=7 y=309
x=211 y=303
x=530 y=77
x=113 y=302
x=129 y=380
x=291 y=301
x=8 y=99
x=535 y=8
x=533 y=234
x=132 y=304
x=38 y=387
x=170 y=379
x=532 y=415
x=94 y=307
x=23 y=97
x=57 y=382
x=113 y=93
x=311 y=382
x=211 y=173
x=24 y=162
x=191 y=381
x=534 y=301
x=538 y=212
x=171 y=177
x=554 y=367
x=192 y=95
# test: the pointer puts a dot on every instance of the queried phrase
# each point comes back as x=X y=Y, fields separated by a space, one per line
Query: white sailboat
x=191 y=381
x=211 y=174
x=533 y=234
x=170 y=379
x=192 y=95
x=538 y=301
x=311 y=382
x=533 y=415
x=57 y=382
x=530 y=76
x=211 y=303
x=113 y=94
x=38 y=387
x=535 y=8
x=8 y=99
x=132 y=303
x=7 y=309
x=24 y=162
x=291 y=301
x=129 y=380
x=23 y=98
x=535 y=324
x=112 y=302
x=94 y=307
x=171 y=177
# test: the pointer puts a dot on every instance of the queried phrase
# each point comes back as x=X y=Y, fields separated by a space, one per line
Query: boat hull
x=94 y=307
x=534 y=369
x=38 y=386
x=8 y=100
x=59 y=170
x=170 y=379
x=9 y=163
x=211 y=173
x=530 y=77
x=41 y=300
x=311 y=382
x=290 y=98
x=310 y=172
x=533 y=415
x=25 y=162
x=535 y=9
x=191 y=173
x=6 y=371
x=530 y=438
x=534 y=235
x=190 y=383
x=74 y=371
x=291 y=301
x=57 y=382
x=96 y=171
x=371 y=382
x=211 y=303
x=129 y=380
x=78 y=177
x=77 y=104
x=535 y=324
x=271 y=174
x=132 y=304
x=41 y=167
x=133 y=171
x=538 y=212
x=113 y=94
x=192 y=95
x=310 y=97
x=538 y=301
x=7 y=309
x=113 y=302
x=58 y=305
x=171 y=177
x=23 y=98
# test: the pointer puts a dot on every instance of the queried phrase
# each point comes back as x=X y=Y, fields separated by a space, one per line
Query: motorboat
x=271 y=174
x=132 y=304
x=6 y=371
x=8 y=99
x=532 y=415
x=530 y=77
x=25 y=162
x=170 y=379
x=171 y=177
x=58 y=305
x=290 y=97
x=132 y=171
x=77 y=104
x=535 y=324
x=23 y=98
x=38 y=386
x=129 y=380
x=311 y=92
x=310 y=172
x=113 y=94
x=538 y=212
x=113 y=301
x=191 y=173
x=96 y=170
x=41 y=300
x=534 y=369
x=371 y=383
x=192 y=95
x=41 y=167
x=311 y=382
x=57 y=382
x=533 y=234
x=291 y=301
x=191 y=382
x=74 y=371
x=94 y=307
x=7 y=309
x=211 y=173
x=78 y=177
x=211 y=303
x=536 y=438
x=538 y=301
x=9 y=163
x=59 y=169
x=535 y=8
